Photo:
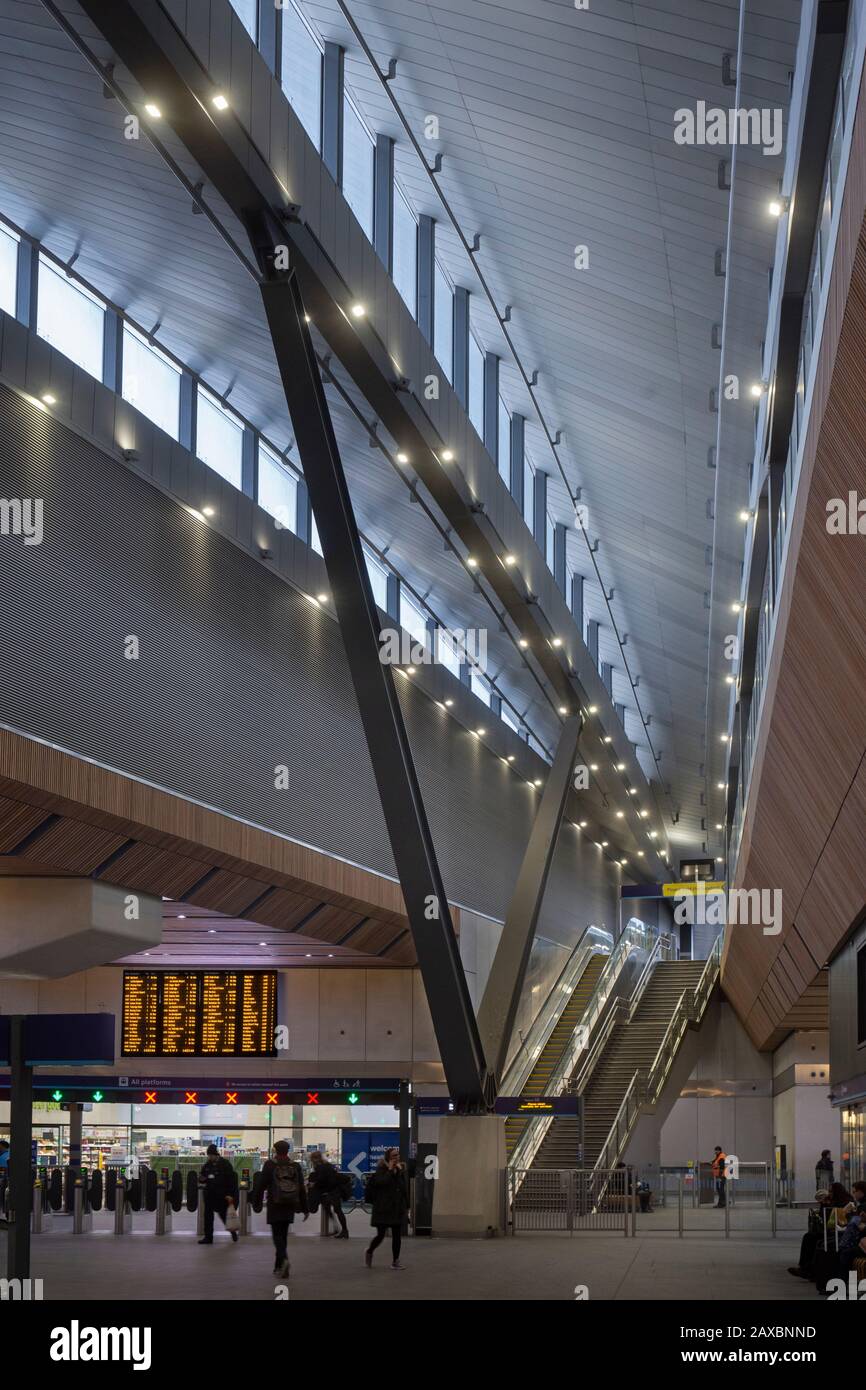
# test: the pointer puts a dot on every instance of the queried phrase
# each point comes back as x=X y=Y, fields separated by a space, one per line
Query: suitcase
x=827 y=1264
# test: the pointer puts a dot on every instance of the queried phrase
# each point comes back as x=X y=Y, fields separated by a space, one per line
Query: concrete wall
x=726 y=1100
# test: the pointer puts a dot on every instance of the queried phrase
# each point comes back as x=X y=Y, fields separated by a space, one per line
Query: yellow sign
x=677 y=890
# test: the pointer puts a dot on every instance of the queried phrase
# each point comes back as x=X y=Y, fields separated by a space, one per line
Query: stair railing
x=646 y=1087
x=533 y=1135
x=594 y=941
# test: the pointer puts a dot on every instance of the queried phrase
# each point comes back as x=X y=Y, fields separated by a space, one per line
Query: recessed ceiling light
x=583 y=824
x=735 y=607
x=263 y=943
x=608 y=739
x=402 y=458
x=632 y=791
x=358 y=311
x=623 y=861
x=644 y=814
x=48 y=398
x=557 y=642
x=620 y=814
x=510 y=758
x=153 y=110
x=309 y=955
x=757 y=388
x=729 y=680
x=411 y=670
x=480 y=732
x=593 y=767
x=447 y=455
x=323 y=598
x=640 y=854
x=211 y=931
x=537 y=782
x=208 y=511
x=719 y=825
x=653 y=834
x=181 y=916
x=562 y=709
x=511 y=559
x=523 y=643
x=620 y=767
x=593 y=709
x=604 y=844
x=472 y=562
x=220 y=102
x=721 y=786
x=448 y=703
x=745 y=515
x=724 y=737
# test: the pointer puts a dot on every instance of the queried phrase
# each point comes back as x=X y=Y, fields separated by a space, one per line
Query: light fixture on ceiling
x=604 y=844
x=48 y=399
x=537 y=782
x=729 y=680
x=653 y=834
x=358 y=311
x=208 y=511
x=777 y=206
x=757 y=389
x=449 y=702
x=721 y=786
x=593 y=709
x=472 y=562
x=719 y=825
x=510 y=758
x=736 y=607
x=402 y=458
x=583 y=824
x=608 y=739
x=593 y=767
x=620 y=814
x=510 y=560
x=220 y=102
x=557 y=642
x=725 y=738
x=620 y=767
x=447 y=455
x=523 y=643
x=322 y=598
x=411 y=670
x=563 y=709
x=632 y=791
x=644 y=814
x=640 y=854
x=481 y=732
x=745 y=514
x=623 y=862
x=153 y=110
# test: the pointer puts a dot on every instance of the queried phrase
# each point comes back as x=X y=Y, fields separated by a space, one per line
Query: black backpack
x=285 y=1185
x=345 y=1186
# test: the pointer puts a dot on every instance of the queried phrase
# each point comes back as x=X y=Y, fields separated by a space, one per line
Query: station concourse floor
x=655 y=1265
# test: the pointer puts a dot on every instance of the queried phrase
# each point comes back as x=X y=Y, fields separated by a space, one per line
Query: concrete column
x=468 y=1197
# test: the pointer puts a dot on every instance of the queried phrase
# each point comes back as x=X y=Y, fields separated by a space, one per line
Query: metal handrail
x=645 y=1090
x=662 y=947
x=593 y=942
x=531 y=1139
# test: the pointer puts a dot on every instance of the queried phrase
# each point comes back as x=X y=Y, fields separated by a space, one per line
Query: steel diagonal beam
x=504 y=986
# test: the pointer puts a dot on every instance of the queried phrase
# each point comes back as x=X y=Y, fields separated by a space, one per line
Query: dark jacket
x=283 y=1211
x=323 y=1178
x=389 y=1193
x=221 y=1180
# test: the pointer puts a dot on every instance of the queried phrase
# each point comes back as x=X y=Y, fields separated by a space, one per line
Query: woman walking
x=388 y=1191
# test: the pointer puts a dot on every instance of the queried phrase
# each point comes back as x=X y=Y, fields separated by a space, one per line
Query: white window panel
x=8 y=270
x=529 y=494
x=378 y=576
x=443 y=321
x=508 y=718
x=503 y=460
x=278 y=489
x=548 y=540
x=314 y=535
x=358 y=151
x=412 y=618
x=246 y=11
x=301 y=73
x=151 y=382
x=70 y=319
x=219 y=439
x=447 y=652
x=479 y=686
x=476 y=386
x=405 y=253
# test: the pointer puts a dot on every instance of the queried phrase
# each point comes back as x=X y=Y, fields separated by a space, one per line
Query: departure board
x=199 y=1013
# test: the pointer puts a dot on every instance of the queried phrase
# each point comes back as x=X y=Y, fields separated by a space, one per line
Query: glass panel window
x=529 y=494
x=8 y=270
x=448 y=651
x=476 y=386
x=70 y=318
x=413 y=618
x=246 y=13
x=151 y=382
x=278 y=489
x=378 y=576
x=443 y=321
x=357 y=167
x=479 y=686
x=405 y=252
x=314 y=535
x=503 y=460
x=301 y=73
x=508 y=718
x=219 y=439
x=548 y=540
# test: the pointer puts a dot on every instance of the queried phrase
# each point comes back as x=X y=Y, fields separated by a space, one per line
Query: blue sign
x=360 y=1151
x=84 y=1040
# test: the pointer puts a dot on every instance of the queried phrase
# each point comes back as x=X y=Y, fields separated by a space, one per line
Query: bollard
x=244 y=1209
x=199 y=1211
x=163 y=1211
x=122 y=1209
x=324 y=1219
x=82 y=1216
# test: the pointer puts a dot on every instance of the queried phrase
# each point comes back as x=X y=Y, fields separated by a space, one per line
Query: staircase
x=632 y=1045
x=538 y=1080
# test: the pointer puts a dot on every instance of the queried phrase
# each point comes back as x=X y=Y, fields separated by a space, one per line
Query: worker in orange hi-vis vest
x=719 y=1175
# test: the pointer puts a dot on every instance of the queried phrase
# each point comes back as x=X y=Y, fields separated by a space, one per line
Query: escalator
x=537 y=1083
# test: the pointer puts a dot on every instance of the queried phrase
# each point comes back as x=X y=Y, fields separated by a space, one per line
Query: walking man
x=285 y=1194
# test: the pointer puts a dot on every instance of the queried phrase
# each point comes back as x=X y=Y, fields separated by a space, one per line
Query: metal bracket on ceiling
x=711 y=456
x=623 y=641
x=506 y=313
x=477 y=508
x=558 y=437
x=722 y=175
x=476 y=243
x=373 y=441
x=533 y=379
x=716 y=335
x=593 y=545
x=108 y=73
x=153 y=332
x=197 y=190
x=609 y=593
x=729 y=69
x=392 y=71
x=436 y=166
x=719 y=262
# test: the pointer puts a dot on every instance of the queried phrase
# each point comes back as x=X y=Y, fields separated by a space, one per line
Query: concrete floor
x=656 y=1265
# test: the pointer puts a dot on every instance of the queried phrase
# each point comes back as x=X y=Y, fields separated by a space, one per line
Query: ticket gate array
x=79 y=1194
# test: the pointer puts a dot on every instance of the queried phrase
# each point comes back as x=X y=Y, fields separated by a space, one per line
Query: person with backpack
x=388 y=1191
x=220 y=1192
x=326 y=1187
x=824 y=1170
x=285 y=1194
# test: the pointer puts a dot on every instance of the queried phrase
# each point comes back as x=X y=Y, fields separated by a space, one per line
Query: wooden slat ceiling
x=556 y=130
x=60 y=815
x=803 y=830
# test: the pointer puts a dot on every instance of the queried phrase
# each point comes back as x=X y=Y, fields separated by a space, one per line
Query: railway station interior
x=432 y=511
